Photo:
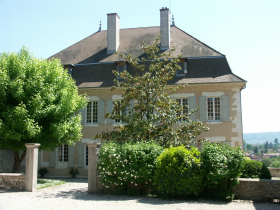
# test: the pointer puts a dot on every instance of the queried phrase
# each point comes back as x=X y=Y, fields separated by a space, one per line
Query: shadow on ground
x=82 y=194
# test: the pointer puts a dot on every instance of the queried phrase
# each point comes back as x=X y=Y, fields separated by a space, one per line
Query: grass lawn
x=43 y=183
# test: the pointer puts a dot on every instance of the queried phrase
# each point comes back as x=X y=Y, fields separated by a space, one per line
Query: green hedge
x=129 y=167
x=221 y=167
x=178 y=172
x=254 y=169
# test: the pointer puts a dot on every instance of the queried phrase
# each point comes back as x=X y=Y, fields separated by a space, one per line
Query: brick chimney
x=165 y=28
x=113 y=33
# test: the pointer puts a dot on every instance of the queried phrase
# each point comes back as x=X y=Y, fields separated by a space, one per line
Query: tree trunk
x=17 y=160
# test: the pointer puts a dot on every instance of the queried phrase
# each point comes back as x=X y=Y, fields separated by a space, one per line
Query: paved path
x=73 y=195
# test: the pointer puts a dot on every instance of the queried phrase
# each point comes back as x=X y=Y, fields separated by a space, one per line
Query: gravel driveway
x=73 y=195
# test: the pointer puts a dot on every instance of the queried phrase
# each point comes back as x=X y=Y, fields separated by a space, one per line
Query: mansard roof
x=200 y=70
x=92 y=66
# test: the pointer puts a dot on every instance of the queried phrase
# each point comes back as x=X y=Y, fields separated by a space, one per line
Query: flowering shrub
x=178 y=172
x=128 y=166
x=221 y=167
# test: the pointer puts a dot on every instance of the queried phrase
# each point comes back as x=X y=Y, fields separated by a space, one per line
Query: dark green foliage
x=178 y=172
x=221 y=167
x=251 y=169
x=39 y=103
x=265 y=173
x=254 y=169
x=43 y=171
x=129 y=167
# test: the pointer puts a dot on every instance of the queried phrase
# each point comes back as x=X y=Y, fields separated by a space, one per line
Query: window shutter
x=202 y=108
x=101 y=112
x=53 y=158
x=71 y=156
x=83 y=115
x=192 y=106
x=39 y=158
x=130 y=108
x=225 y=108
x=110 y=110
x=80 y=154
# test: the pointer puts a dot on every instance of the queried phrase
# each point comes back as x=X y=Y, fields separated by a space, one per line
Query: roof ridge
x=198 y=40
x=140 y=27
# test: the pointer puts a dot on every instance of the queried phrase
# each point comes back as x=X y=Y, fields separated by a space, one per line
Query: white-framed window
x=120 y=112
x=184 y=103
x=62 y=155
x=214 y=108
x=182 y=72
x=92 y=112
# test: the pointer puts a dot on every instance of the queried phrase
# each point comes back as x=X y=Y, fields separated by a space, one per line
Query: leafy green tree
x=256 y=150
x=276 y=164
x=260 y=146
x=266 y=147
x=270 y=145
x=147 y=110
x=276 y=143
x=267 y=161
x=249 y=147
x=38 y=104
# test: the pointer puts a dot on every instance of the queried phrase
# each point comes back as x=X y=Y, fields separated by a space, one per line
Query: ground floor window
x=63 y=153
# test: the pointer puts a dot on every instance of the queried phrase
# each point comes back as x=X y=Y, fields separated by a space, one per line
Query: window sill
x=91 y=124
x=214 y=122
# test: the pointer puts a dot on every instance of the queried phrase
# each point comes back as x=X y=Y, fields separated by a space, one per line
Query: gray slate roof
x=93 y=49
x=93 y=66
x=202 y=70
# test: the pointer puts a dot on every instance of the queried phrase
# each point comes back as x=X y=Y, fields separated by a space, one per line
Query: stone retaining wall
x=257 y=189
x=15 y=181
x=275 y=172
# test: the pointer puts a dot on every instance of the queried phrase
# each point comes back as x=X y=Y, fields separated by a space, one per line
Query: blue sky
x=246 y=31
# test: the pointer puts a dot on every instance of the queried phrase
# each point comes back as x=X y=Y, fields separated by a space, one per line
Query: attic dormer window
x=120 y=68
x=182 y=72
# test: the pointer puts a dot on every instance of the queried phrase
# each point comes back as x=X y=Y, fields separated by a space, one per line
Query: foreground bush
x=221 y=167
x=254 y=169
x=128 y=167
x=178 y=172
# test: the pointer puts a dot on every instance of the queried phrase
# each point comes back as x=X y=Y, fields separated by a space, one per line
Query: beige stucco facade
x=219 y=131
